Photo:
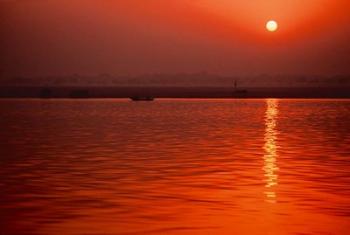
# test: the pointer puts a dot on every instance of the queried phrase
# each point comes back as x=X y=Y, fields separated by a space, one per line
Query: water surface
x=175 y=167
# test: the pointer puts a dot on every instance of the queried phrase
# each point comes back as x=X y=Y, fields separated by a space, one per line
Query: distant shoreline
x=86 y=92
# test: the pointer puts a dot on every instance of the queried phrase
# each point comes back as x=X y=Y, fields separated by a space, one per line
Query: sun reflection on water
x=270 y=147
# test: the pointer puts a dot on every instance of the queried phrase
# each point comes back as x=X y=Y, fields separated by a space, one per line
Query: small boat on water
x=142 y=98
x=238 y=91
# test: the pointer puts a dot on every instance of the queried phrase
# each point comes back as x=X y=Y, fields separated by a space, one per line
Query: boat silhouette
x=238 y=91
x=142 y=98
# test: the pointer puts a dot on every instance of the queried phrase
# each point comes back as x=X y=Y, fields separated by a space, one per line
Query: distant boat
x=237 y=90
x=80 y=94
x=142 y=98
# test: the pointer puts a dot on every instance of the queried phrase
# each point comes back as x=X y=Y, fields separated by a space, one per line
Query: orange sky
x=146 y=36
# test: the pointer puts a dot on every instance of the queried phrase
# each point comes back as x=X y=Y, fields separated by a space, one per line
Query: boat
x=238 y=91
x=79 y=94
x=142 y=98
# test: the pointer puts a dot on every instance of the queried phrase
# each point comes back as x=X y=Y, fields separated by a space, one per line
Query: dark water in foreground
x=175 y=167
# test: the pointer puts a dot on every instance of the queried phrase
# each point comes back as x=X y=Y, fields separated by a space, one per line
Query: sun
x=271 y=25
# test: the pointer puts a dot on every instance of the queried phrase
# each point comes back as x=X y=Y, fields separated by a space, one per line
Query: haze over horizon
x=61 y=37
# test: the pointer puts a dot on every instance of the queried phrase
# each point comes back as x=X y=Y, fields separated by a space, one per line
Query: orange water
x=175 y=167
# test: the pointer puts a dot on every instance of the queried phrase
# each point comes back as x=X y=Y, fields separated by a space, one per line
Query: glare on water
x=270 y=147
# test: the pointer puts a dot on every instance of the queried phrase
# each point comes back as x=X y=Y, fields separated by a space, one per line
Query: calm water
x=175 y=167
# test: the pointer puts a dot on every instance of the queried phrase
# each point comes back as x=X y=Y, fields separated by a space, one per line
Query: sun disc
x=272 y=26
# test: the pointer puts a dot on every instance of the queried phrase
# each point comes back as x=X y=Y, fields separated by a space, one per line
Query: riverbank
x=172 y=92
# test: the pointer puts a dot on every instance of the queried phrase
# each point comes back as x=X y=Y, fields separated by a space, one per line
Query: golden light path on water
x=270 y=147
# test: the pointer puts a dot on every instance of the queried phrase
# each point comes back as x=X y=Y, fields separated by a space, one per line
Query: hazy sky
x=59 y=37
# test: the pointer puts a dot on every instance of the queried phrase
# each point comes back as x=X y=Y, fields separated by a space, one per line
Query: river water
x=263 y=166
